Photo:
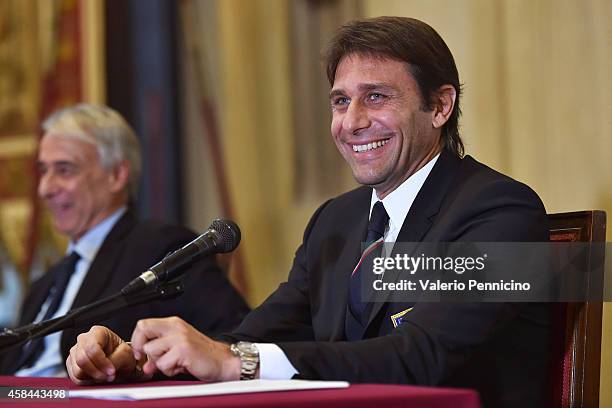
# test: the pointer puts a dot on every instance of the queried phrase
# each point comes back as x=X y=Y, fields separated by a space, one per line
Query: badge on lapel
x=396 y=319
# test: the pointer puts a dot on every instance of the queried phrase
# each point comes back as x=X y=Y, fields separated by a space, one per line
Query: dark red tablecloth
x=356 y=396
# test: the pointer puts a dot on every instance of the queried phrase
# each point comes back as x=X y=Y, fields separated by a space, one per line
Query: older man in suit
x=89 y=163
x=395 y=103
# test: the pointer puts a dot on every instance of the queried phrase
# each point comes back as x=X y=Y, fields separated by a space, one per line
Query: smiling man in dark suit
x=89 y=162
x=395 y=102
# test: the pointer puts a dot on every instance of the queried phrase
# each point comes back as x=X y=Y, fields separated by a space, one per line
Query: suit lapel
x=354 y=228
x=39 y=293
x=104 y=263
x=423 y=210
x=429 y=199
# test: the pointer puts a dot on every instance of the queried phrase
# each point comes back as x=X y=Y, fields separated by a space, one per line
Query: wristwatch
x=249 y=358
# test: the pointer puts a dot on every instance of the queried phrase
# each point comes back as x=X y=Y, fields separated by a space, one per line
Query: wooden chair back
x=576 y=372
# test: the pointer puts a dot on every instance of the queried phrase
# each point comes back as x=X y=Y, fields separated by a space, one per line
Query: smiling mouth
x=369 y=146
x=58 y=208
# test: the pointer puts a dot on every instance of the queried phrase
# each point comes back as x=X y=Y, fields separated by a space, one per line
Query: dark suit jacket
x=500 y=349
x=209 y=302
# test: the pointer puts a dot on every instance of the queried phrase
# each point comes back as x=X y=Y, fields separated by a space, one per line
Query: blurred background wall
x=229 y=99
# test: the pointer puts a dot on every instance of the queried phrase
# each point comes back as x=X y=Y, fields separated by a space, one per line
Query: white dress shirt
x=50 y=363
x=273 y=363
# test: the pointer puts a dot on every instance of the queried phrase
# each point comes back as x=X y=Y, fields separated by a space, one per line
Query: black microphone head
x=228 y=234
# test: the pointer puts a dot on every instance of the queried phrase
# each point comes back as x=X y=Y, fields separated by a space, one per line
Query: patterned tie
x=363 y=271
x=61 y=276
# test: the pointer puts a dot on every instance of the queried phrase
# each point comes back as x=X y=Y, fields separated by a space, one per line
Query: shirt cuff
x=273 y=363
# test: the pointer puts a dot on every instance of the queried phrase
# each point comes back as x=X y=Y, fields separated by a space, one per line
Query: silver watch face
x=249 y=359
x=247 y=348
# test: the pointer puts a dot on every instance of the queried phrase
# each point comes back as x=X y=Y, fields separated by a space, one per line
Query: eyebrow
x=363 y=88
x=56 y=163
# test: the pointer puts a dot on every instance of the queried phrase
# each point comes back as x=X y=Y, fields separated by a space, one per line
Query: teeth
x=369 y=146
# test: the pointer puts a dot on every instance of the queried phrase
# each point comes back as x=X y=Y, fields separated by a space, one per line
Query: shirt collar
x=87 y=246
x=398 y=202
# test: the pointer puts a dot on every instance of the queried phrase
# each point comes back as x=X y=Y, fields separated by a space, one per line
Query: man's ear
x=119 y=176
x=443 y=105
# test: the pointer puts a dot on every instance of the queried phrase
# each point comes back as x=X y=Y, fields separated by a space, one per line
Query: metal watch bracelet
x=249 y=359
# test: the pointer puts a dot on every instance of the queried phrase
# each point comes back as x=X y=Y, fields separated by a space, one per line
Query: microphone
x=222 y=236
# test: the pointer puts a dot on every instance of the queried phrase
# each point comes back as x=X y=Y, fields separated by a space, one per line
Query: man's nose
x=356 y=117
x=47 y=185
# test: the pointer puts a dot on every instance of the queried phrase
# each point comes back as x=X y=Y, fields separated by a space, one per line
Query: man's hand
x=172 y=346
x=101 y=356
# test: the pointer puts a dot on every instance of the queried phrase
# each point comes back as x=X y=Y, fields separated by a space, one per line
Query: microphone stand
x=92 y=312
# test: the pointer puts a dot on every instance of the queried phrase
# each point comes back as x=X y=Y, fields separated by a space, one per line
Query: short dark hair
x=409 y=40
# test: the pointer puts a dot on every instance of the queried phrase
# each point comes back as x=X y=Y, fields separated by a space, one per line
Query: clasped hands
x=168 y=345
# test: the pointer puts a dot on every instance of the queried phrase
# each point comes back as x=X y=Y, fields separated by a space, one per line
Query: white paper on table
x=198 y=390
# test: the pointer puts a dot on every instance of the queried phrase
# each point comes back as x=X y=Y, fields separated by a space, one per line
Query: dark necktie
x=363 y=271
x=61 y=276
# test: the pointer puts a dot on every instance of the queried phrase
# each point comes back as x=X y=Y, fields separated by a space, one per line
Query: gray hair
x=107 y=130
